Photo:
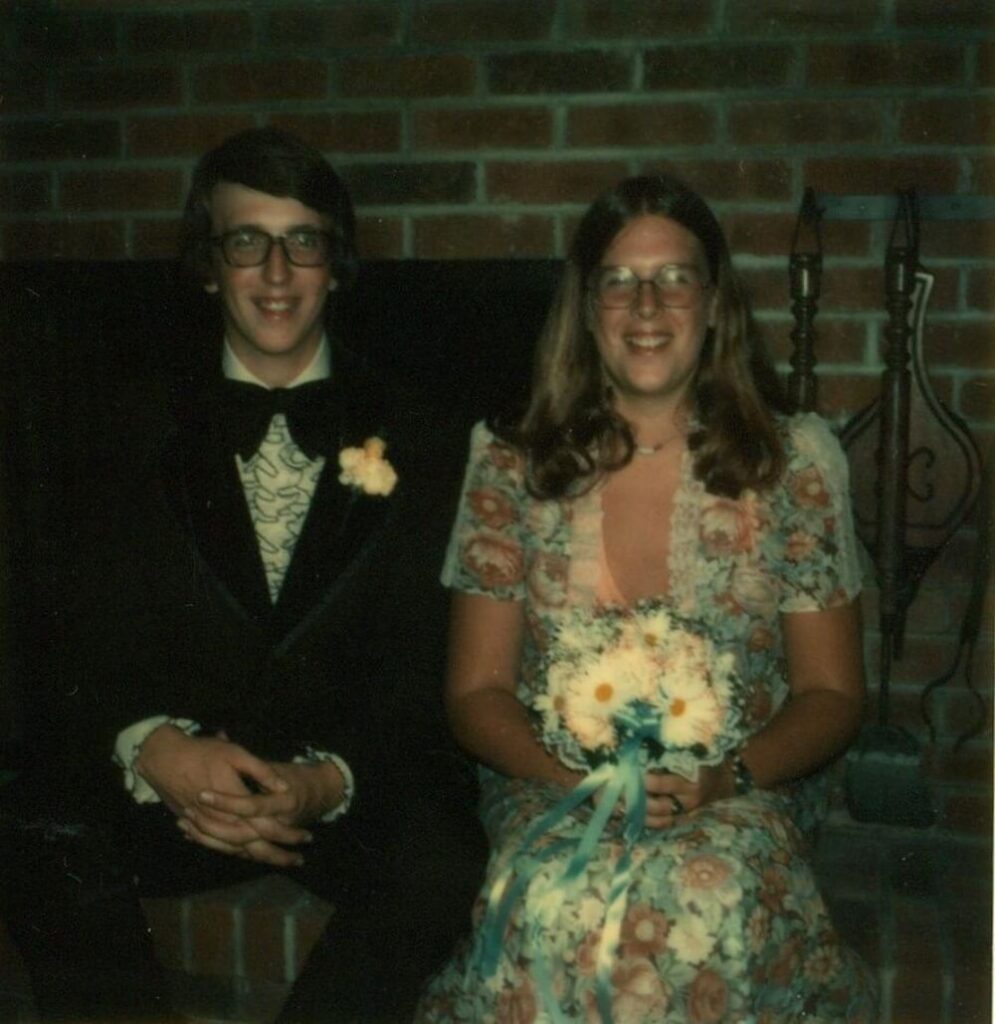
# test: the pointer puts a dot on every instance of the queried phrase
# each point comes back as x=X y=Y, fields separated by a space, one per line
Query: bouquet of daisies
x=643 y=676
x=627 y=689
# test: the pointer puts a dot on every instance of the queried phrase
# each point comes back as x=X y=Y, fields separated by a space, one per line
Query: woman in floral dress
x=656 y=465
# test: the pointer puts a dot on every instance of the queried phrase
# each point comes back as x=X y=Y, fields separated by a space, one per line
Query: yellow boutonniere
x=366 y=469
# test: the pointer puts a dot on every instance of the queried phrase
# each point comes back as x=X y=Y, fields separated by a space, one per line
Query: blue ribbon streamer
x=619 y=782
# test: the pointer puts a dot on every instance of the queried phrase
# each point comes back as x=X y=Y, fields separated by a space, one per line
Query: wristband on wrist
x=742 y=777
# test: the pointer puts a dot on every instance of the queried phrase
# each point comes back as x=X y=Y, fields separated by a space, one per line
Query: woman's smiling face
x=649 y=352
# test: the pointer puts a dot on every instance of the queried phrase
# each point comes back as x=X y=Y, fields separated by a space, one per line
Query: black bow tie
x=247 y=409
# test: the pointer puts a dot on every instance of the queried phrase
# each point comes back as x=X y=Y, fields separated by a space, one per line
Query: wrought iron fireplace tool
x=914 y=481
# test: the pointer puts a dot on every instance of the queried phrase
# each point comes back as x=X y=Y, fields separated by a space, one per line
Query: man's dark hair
x=278 y=163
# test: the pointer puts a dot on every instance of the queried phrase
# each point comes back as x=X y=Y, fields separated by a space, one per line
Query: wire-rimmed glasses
x=677 y=286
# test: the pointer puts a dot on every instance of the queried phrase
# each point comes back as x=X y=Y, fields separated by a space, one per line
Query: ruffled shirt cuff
x=313 y=756
x=129 y=742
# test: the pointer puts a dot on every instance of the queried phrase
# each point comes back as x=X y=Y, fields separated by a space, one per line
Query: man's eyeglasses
x=250 y=247
x=677 y=286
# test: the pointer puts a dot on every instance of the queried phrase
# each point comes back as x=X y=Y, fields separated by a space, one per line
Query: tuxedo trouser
x=77 y=858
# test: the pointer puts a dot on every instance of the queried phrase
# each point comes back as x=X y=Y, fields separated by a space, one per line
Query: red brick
x=917 y=990
x=121 y=190
x=846 y=393
x=766 y=287
x=969 y=765
x=656 y=124
x=64 y=239
x=540 y=181
x=927 y=14
x=477 y=21
x=117 y=88
x=781 y=122
x=482 y=127
x=954 y=239
x=977 y=399
x=759 y=234
x=559 y=72
x=181 y=134
x=969 y=815
x=309 y=922
x=595 y=19
x=982 y=175
x=729 y=66
x=859 y=926
x=25 y=193
x=380 y=237
x=981 y=289
x=23 y=91
x=373 y=131
x=955 y=563
x=190 y=32
x=972 y=960
x=400 y=183
x=365 y=24
x=836 y=341
x=58 y=37
x=807 y=18
x=960 y=343
x=106 y=5
x=985 y=73
x=166 y=924
x=881 y=175
x=212 y=933
x=472 y=237
x=948 y=121
x=721 y=180
x=259 y=81
x=155 y=239
x=447 y=75
x=913 y=63
x=265 y=957
x=61 y=140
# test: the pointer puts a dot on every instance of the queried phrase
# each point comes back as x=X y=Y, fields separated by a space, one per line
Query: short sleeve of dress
x=817 y=547
x=485 y=554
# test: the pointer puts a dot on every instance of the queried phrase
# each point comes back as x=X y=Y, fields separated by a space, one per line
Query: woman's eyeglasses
x=676 y=286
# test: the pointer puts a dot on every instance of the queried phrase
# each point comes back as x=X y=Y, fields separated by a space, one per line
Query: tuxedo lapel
x=201 y=482
x=341 y=526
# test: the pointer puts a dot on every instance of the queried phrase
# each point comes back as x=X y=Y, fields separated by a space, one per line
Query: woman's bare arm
x=485 y=647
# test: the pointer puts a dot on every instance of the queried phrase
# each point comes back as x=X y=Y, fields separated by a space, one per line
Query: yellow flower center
x=603 y=692
x=677 y=707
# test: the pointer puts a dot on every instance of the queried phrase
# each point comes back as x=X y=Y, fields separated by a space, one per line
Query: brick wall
x=481 y=128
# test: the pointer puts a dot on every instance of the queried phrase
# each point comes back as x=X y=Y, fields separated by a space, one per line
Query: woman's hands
x=669 y=797
x=232 y=802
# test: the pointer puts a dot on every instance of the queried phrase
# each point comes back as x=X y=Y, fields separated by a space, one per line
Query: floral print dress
x=723 y=921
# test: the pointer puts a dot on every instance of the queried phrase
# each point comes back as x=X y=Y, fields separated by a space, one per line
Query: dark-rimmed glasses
x=250 y=247
x=677 y=286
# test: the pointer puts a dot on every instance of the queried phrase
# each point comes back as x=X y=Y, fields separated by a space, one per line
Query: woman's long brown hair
x=570 y=433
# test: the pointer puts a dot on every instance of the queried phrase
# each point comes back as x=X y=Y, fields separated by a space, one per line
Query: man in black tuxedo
x=256 y=612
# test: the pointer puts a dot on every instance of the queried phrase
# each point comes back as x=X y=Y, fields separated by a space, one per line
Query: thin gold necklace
x=646 y=450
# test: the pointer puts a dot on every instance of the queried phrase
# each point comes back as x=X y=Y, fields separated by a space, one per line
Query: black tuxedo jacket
x=169 y=611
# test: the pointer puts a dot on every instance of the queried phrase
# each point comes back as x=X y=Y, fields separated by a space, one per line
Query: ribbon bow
x=620 y=781
x=247 y=410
